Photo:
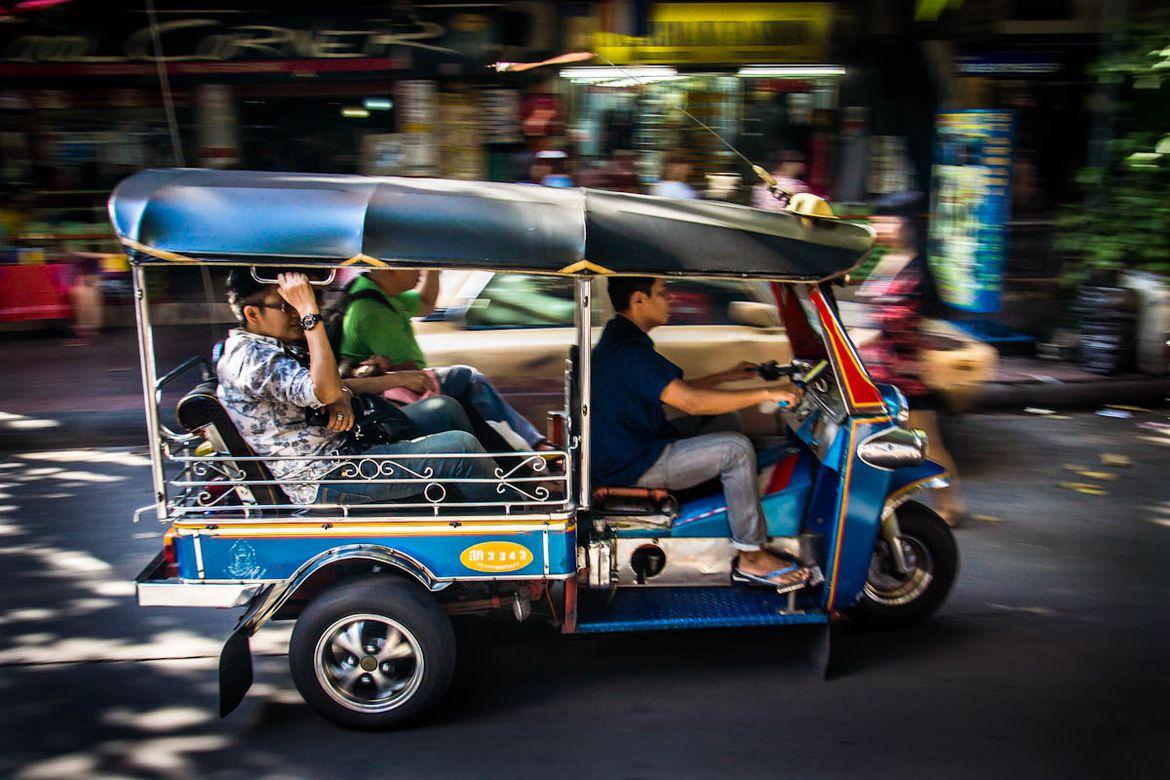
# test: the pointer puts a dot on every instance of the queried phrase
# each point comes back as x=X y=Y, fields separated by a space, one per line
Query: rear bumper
x=155 y=589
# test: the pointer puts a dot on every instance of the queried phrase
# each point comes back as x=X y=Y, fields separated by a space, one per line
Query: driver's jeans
x=714 y=447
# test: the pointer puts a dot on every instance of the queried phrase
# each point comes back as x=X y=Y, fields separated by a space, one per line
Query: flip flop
x=765 y=580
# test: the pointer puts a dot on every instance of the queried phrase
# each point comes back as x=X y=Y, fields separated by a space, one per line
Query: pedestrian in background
x=900 y=289
x=676 y=171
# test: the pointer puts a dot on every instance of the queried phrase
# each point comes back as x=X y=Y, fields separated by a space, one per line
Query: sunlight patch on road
x=71 y=765
x=109 y=456
x=165 y=719
x=20 y=422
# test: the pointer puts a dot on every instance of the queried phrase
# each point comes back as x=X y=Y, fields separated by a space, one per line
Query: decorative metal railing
x=218 y=485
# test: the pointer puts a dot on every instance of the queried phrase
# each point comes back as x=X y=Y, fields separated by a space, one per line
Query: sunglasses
x=283 y=306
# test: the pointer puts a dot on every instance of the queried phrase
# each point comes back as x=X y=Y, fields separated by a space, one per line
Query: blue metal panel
x=851 y=531
x=907 y=476
x=264 y=557
x=707 y=517
x=652 y=609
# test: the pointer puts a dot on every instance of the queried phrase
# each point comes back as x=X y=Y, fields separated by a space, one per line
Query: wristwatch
x=309 y=321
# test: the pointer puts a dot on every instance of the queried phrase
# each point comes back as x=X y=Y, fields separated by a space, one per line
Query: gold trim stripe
x=844 y=510
x=161 y=254
x=585 y=265
x=362 y=259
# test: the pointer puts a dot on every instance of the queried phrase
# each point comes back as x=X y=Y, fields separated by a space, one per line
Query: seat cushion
x=614 y=500
x=201 y=408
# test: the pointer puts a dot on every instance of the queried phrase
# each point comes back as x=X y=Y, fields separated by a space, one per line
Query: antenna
x=773 y=186
x=778 y=192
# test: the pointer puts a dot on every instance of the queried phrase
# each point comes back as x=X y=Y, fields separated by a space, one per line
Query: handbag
x=378 y=421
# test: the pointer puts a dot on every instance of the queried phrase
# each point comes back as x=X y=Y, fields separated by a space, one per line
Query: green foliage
x=1127 y=221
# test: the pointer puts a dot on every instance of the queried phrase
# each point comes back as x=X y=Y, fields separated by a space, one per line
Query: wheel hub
x=369 y=663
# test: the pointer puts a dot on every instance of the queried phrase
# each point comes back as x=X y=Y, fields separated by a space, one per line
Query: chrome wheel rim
x=368 y=663
x=886 y=586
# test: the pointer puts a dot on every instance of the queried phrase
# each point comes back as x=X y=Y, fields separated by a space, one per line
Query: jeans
x=471 y=388
x=437 y=414
x=704 y=455
x=372 y=492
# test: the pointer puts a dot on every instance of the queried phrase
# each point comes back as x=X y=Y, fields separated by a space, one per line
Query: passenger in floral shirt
x=266 y=393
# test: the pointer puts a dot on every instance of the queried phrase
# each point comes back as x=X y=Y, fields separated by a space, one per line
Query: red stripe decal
x=861 y=393
x=782 y=474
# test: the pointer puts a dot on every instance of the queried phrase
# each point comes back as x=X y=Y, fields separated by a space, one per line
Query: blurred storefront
x=368 y=87
x=759 y=74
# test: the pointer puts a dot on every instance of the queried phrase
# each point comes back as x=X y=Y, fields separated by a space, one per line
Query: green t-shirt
x=377 y=328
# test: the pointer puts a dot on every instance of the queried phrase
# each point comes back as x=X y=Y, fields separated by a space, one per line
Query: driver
x=633 y=444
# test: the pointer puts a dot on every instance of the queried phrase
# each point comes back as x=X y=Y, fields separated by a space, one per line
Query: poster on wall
x=970 y=202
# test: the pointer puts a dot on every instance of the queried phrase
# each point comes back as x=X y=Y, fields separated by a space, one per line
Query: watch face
x=309 y=321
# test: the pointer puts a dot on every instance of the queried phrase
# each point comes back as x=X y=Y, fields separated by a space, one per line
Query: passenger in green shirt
x=377 y=333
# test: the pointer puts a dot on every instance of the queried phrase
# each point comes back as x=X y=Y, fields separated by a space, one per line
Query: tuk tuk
x=372 y=587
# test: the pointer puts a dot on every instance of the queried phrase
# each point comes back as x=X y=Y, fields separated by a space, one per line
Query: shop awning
x=233 y=217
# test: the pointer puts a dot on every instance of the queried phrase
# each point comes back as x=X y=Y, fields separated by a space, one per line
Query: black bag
x=375 y=421
x=378 y=421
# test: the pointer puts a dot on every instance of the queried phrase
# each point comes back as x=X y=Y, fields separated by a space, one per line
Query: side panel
x=258 y=553
x=847 y=511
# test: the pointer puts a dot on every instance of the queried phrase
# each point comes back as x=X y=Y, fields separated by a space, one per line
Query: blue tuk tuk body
x=372 y=588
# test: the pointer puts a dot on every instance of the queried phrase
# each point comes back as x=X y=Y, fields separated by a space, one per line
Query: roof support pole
x=149 y=377
x=584 y=385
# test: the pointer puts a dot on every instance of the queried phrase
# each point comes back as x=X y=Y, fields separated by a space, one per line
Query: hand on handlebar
x=786 y=397
x=295 y=289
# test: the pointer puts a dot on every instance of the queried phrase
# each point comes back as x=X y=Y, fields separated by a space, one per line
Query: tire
x=891 y=599
x=404 y=659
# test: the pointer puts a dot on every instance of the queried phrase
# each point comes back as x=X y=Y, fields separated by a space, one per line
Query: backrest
x=198 y=410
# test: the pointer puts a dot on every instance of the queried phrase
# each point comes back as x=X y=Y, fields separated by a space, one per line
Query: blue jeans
x=435 y=469
x=713 y=448
x=471 y=388
x=437 y=414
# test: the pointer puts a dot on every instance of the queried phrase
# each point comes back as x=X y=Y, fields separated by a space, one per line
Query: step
x=657 y=609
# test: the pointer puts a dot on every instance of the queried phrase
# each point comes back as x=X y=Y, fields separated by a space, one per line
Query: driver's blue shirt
x=629 y=426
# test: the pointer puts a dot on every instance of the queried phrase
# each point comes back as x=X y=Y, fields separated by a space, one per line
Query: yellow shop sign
x=496 y=557
x=705 y=33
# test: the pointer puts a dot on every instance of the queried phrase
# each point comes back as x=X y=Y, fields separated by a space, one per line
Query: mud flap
x=235 y=671
x=817 y=646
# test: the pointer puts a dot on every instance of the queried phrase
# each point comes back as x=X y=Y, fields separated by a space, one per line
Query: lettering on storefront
x=725 y=32
x=232 y=43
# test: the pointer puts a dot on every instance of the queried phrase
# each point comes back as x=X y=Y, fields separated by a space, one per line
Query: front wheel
x=932 y=560
x=373 y=653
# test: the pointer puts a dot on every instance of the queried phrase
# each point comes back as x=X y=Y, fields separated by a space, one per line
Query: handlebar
x=801 y=372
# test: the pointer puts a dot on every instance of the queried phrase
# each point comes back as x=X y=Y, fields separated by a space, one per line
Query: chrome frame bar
x=584 y=386
x=198 y=473
x=149 y=376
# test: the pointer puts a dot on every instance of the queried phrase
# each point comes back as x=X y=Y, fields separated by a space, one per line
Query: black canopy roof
x=309 y=219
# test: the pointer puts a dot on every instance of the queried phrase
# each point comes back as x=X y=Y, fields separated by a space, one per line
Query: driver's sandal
x=794 y=577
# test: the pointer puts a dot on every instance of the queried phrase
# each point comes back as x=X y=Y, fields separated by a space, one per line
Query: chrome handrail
x=532 y=491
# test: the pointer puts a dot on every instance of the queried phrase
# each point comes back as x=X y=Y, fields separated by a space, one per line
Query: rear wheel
x=891 y=597
x=373 y=653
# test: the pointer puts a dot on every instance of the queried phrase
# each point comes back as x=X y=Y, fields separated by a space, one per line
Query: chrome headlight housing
x=893 y=448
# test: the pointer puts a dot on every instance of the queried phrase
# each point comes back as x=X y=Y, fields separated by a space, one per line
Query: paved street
x=1049 y=660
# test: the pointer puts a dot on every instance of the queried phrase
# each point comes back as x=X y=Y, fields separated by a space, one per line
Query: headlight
x=893 y=448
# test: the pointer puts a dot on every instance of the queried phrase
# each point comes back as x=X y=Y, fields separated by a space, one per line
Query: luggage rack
x=217 y=485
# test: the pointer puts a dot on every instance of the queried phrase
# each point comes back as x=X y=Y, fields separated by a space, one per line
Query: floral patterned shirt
x=266 y=392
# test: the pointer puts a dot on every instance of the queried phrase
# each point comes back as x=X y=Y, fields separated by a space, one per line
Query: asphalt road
x=1049 y=659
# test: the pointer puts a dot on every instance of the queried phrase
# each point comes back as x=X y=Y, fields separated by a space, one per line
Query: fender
x=905 y=483
x=908 y=481
x=235 y=660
